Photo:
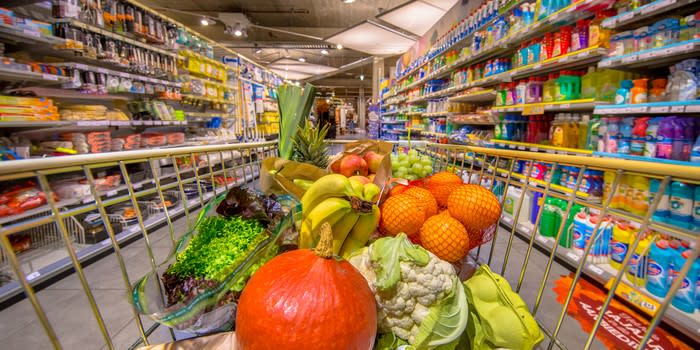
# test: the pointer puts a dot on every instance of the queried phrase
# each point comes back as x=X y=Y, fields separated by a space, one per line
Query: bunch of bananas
x=346 y=205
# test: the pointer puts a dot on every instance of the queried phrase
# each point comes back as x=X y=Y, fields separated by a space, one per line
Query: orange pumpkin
x=307 y=299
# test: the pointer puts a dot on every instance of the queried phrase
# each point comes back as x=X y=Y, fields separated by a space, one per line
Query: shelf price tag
x=677 y=109
x=660 y=109
x=625 y=16
x=34 y=275
x=634 y=296
x=573 y=256
x=630 y=59
x=32 y=33
x=595 y=269
x=692 y=108
x=605 y=63
x=49 y=76
x=533 y=110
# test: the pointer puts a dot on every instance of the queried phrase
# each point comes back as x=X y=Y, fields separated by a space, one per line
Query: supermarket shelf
x=27 y=37
x=436 y=114
x=394 y=112
x=209 y=115
x=576 y=59
x=533 y=147
x=539 y=108
x=414 y=113
x=431 y=133
x=187 y=52
x=31 y=78
x=604 y=274
x=480 y=96
x=88 y=123
x=652 y=58
x=644 y=13
x=139 y=77
x=394 y=131
x=394 y=121
x=74 y=95
x=208 y=99
x=651 y=108
x=645 y=159
x=34 y=124
x=117 y=36
x=471 y=122
x=257 y=82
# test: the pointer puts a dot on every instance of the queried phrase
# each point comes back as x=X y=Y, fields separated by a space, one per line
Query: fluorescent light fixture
x=302 y=59
x=339 y=47
x=292 y=65
x=324 y=52
x=415 y=16
x=291 y=75
x=204 y=22
x=258 y=51
x=373 y=39
x=362 y=77
x=348 y=1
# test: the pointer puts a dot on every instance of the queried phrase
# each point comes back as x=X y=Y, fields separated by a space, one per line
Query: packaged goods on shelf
x=20 y=198
x=27 y=109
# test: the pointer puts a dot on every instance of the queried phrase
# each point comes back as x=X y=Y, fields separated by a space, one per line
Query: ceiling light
x=258 y=51
x=205 y=22
x=362 y=77
x=324 y=52
x=302 y=59
x=328 y=100
x=348 y=1
x=237 y=30
x=339 y=47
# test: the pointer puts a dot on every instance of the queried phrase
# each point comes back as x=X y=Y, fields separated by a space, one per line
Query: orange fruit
x=443 y=178
x=401 y=213
x=426 y=198
x=442 y=192
x=475 y=207
x=398 y=189
x=445 y=237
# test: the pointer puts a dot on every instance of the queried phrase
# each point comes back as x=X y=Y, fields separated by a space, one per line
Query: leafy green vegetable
x=294 y=106
x=388 y=252
x=248 y=204
x=389 y=341
x=446 y=320
x=220 y=246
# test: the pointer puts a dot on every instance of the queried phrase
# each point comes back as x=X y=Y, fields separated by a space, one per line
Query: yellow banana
x=331 y=210
x=304 y=184
x=357 y=187
x=360 y=233
x=342 y=228
x=333 y=185
x=370 y=191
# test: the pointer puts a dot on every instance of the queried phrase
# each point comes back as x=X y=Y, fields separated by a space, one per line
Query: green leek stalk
x=294 y=106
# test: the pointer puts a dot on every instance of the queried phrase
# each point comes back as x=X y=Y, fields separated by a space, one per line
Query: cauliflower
x=419 y=297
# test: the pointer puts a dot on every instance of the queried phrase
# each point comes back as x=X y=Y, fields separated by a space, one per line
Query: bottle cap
x=663 y=244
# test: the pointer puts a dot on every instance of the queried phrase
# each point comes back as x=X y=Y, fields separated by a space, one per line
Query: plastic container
x=657 y=93
x=566 y=239
x=569 y=86
x=550 y=88
x=588 y=84
x=639 y=136
x=663 y=211
x=622 y=96
x=625 y=141
x=579 y=35
x=664 y=139
x=520 y=91
x=682 y=196
x=639 y=91
x=551 y=217
x=597 y=34
x=637 y=269
x=685 y=298
x=658 y=267
x=612 y=135
x=622 y=236
x=533 y=90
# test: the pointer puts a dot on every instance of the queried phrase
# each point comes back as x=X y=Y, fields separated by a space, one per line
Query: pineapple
x=309 y=145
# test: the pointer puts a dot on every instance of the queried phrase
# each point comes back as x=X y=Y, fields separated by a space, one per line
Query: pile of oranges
x=441 y=213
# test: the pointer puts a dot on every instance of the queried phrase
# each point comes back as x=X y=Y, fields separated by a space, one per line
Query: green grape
x=394 y=166
x=428 y=169
x=417 y=168
x=394 y=158
x=411 y=177
x=412 y=152
x=425 y=158
x=402 y=169
x=404 y=164
x=403 y=157
x=426 y=162
x=414 y=159
x=400 y=175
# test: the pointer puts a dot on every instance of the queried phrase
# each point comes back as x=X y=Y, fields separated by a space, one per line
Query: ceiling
x=315 y=20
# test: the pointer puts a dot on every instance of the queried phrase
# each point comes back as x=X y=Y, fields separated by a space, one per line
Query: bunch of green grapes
x=411 y=166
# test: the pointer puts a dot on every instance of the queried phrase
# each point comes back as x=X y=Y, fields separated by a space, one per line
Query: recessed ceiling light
x=339 y=47
x=324 y=52
x=205 y=22
x=348 y=1
x=258 y=51
x=238 y=30
x=362 y=77
x=302 y=59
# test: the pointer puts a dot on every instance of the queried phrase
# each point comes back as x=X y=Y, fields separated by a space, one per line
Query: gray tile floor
x=74 y=323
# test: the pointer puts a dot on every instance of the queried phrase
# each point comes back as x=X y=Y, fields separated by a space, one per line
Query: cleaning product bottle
x=636 y=271
x=551 y=217
x=664 y=139
x=679 y=126
x=602 y=136
x=651 y=133
x=558 y=131
x=639 y=200
x=566 y=238
x=695 y=151
x=685 y=298
x=579 y=232
x=663 y=211
x=639 y=136
x=624 y=143
x=619 y=245
x=658 y=266
x=639 y=91
x=584 y=132
x=612 y=135
x=681 y=204
x=696 y=209
x=688 y=137
x=549 y=91
x=520 y=90
x=608 y=178
x=588 y=84
x=622 y=96
x=657 y=93
x=597 y=34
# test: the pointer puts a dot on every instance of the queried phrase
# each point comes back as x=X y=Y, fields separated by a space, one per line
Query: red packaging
x=548 y=44
x=565 y=39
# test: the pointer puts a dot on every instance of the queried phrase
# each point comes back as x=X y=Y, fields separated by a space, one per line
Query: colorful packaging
x=658 y=267
x=681 y=204
x=685 y=298
x=619 y=244
x=663 y=210
x=636 y=271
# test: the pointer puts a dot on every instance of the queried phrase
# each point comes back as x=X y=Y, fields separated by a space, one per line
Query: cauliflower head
x=415 y=292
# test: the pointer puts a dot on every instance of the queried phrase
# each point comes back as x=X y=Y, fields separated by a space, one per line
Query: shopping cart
x=513 y=252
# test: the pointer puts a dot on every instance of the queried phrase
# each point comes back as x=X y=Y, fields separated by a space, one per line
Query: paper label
x=573 y=256
x=625 y=16
x=34 y=275
x=662 y=109
x=632 y=295
x=595 y=269
x=677 y=109
x=49 y=76
x=533 y=110
x=692 y=108
x=32 y=33
x=629 y=59
x=92 y=123
x=111 y=193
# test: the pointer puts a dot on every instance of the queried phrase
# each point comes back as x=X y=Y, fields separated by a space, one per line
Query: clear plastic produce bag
x=211 y=306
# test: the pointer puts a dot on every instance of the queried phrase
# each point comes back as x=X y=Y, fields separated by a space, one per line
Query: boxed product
x=33 y=25
x=7 y=16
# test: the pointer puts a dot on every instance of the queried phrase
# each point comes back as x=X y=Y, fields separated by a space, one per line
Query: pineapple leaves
x=309 y=145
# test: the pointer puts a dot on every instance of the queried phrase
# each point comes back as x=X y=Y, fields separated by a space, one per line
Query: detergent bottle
x=636 y=270
x=639 y=136
x=622 y=96
x=651 y=133
x=681 y=204
x=638 y=202
x=551 y=217
x=663 y=210
x=588 y=84
x=658 y=266
x=566 y=238
x=579 y=232
x=613 y=135
x=664 y=139
x=639 y=91
x=625 y=141
x=550 y=88
x=619 y=244
x=685 y=298
x=597 y=34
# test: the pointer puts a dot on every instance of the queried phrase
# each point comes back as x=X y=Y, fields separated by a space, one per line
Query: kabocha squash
x=307 y=299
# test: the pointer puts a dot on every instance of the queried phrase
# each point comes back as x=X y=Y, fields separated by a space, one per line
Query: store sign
x=621 y=328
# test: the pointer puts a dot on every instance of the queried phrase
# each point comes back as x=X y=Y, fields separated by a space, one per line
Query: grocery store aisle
x=72 y=319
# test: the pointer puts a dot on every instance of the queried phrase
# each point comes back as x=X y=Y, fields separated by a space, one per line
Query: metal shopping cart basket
x=547 y=270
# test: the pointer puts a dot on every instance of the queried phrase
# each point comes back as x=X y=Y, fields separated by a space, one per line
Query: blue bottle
x=624 y=144
x=681 y=204
x=685 y=298
x=663 y=210
x=658 y=267
x=696 y=209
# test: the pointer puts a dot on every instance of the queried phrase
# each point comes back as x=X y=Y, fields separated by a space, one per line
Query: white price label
x=507 y=219
x=541 y=239
x=625 y=16
x=34 y=275
x=134 y=229
x=692 y=108
x=677 y=109
x=524 y=229
x=106 y=242
x=157 y=122
x=650 y=8
x=573 y=256
x=537 y=66
x=49 y=76
x=565 y=105
x=522 y=148
x=595 y=269
x=551 y=151
x=119 y=122
x=534 y=149
x=138 y=185
x=111 y=193
x=661 y=109
x=124 y=75
x=511 y=146
x=645 y=56
x=605 y=63
x=32 y=33
x=137 y=122
x=147 y=122
x=92 y=123
x=103 y=71
x=609 y=22
x=637 y=109
x=81 y=66
x=564 y=59
x=630 y=59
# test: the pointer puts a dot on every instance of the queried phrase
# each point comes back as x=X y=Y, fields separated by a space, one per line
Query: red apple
x=363 y=180
x=335 y=166
x=374 y=160
x=353 y=164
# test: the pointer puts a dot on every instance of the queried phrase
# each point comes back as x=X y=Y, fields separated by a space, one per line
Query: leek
x=294 y=106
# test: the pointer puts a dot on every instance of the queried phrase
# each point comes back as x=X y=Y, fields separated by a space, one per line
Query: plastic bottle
x=688 y=134
x=597 y=35
x=696 y=208
x=619 y=245
x=651 y=133
x=664 y=138
x=624 y=143
x=520 y=90
x=685 y=298
x=681 y=204
x=679 y=126
x=583 y=131
x=658 y=266
x=657 y=93
x=600 y=250
x=636 y=271
x=639 y=91
x=638 y=202
x=612 y=135
x=639 y=136
x=579 y=232
x=579 y=35
x=603 y=135
x=588 y=84
x=566 y=238
x=549 y=90
x=663 y=210
x=569 y=86
x=558 y=131
x=622 y=96
x=551 y=217
x=593 y=135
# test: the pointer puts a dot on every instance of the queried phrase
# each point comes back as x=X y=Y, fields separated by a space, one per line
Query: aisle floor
x=70 y=314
